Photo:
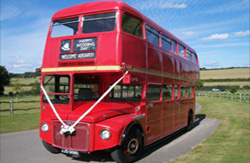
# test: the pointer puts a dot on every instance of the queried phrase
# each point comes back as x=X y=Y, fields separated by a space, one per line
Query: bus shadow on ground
x=101 y=156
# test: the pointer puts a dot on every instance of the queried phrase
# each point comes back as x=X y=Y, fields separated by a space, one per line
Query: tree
x=17 y=88
x=233 y=89
x=4 y=79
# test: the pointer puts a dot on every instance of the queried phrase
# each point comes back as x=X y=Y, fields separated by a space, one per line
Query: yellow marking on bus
x=86 y=68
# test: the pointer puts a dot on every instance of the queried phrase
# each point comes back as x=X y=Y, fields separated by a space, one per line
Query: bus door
x=153 y=113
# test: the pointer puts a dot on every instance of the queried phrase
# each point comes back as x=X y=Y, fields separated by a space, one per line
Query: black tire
x=50 y=148
x=190 y=123
x=130 y=149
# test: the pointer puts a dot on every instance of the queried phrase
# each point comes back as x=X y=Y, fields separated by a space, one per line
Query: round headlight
x=105 y=134
x=45 y=127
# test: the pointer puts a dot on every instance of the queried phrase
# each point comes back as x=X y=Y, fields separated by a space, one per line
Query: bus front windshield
x=57 y=88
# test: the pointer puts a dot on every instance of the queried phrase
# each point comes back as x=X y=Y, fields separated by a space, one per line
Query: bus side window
x=153 y=92
x=166 y=43
x=189 y=56
x=167 y=92
x=152 y=35
x=185 y=92
x=181 y=51
x=131 y=25
x=174 y=47
x=194 y=58
x=176 y=92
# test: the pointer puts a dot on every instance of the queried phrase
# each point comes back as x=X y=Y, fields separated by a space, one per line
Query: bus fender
x=132 y=124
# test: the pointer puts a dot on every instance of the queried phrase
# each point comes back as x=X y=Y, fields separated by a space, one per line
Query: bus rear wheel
x=130 y=149
x=50 y=148
x=190 y=123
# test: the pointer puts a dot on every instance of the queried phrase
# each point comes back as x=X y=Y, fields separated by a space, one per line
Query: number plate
x=71 y=152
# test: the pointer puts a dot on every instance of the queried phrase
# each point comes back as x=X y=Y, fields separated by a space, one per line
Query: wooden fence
x=239 y=97
x=11 y=109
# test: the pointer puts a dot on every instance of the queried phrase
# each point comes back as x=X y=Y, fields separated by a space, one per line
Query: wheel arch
x=131 y=125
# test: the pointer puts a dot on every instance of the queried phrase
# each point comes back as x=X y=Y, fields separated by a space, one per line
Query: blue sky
x=217 y=29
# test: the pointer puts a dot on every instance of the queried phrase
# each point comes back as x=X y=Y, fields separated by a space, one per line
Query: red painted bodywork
x=117 y=48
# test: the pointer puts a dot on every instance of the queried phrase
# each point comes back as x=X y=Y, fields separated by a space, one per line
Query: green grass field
x=25 y=81
x=21 y=120
x=230 y=142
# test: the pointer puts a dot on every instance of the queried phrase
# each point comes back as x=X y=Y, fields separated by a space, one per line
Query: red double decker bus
x=113 y=80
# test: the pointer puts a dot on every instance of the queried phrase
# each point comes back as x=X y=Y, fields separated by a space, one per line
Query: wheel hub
x=133 y=146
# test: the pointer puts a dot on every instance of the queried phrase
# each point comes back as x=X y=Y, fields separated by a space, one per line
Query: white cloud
x=241 y=33
x=217 y=36
x=188 y=34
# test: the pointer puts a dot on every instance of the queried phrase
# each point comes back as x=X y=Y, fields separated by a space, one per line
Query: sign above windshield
x=85 y=44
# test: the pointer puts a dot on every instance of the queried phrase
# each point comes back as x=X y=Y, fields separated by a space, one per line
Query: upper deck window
x=131 y=25
x=166 y=43
x=99 y=23
x=189 y=56
x=152 y=35
x=174 y=47
x=181 y=51
x=65 y=27
x=194 y=58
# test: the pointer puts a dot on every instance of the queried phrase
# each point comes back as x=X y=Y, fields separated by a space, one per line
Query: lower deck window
x=186 y=92
x=126 y=92
x=153 y=92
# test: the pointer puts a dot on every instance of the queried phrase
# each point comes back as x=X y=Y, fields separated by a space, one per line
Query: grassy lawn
x=21 y=120
x=20 y=105
x=230 y=141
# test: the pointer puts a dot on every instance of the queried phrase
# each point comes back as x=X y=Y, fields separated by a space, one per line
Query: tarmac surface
x=27 y=147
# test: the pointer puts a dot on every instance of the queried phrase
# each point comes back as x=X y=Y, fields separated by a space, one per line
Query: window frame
x=111 y=17
x=134 y=17
x=74 y=21
x=121 y=98
x=160 y=97
x=152 y=32
x=164 y=38
x=172 y=92
x=174 y=47
x=179 y=54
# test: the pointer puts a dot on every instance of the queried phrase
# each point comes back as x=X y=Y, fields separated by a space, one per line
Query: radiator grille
x=78 y=141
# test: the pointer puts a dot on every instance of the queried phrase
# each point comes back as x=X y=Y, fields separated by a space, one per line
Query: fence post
x=240 y=97
x=11 y=108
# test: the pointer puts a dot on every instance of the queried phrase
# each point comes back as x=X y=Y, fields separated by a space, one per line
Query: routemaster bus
x=113 y=80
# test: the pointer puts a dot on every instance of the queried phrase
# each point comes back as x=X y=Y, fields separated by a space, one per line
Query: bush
x=233 y=89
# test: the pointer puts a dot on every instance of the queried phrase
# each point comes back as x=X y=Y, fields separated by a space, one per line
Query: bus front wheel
x=50 y=148
x=130 y=149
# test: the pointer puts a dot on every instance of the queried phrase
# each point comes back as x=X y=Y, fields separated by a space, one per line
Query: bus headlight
x=105 y=134
x=44 y=127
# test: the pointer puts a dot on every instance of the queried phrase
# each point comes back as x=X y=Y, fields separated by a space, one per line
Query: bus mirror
x=38 y=69
x=128 y=67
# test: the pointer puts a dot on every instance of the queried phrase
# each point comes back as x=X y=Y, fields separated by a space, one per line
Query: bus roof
x=99 y=6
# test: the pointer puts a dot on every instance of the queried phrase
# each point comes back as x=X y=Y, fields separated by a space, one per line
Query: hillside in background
x=231 y=76
x=232 y=73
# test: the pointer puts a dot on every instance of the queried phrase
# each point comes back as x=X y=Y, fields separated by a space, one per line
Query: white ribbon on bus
x=66 y=128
